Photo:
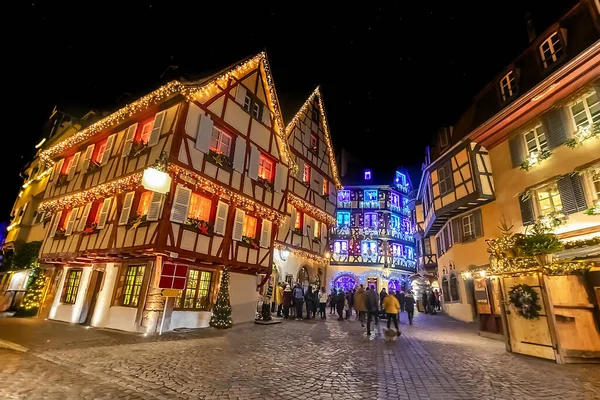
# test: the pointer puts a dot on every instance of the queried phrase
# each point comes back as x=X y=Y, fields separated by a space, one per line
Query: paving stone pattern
x=436 y=358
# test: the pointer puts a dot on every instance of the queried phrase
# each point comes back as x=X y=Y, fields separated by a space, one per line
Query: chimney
x=530 y=28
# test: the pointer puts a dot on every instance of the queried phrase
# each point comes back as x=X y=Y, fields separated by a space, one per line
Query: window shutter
x=281 y=175
x=126 y=210
x=478 y=223
x=238 y=225
x=332 y=193
x=221 y=220
x=155 y=206
x=205 y=128
x=597 y=87
x=438 y=246
x=159 y=119
x=240 y=94
x=71 y=222
x=239 y=156
x=181 y=203
x=58 y=168
x=54 y=226
x=571 y=193
x=110 y=142
x=129 y=136
x=84 y=217
x=253 y=166
x=293 y=218
x=555 y=127
x=87 y=157
x=456 y=231
x=266 y=116
x=265 y=233
x=300 y=163
x=516 y=150
x=579 y=192
x=104 y=213
x=526 y=211
x=74 y=166
x=316 y=182
x=305 y=225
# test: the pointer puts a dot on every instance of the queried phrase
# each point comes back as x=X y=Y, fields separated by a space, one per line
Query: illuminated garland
x=37 y=178
x=241 y=201
x=311 y=210
x=584 y=134
x=103 y=191
x=573 y=244
x=302 y=253
x=294 y=121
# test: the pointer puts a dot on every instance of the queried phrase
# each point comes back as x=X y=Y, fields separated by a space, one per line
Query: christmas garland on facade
x=525 y=300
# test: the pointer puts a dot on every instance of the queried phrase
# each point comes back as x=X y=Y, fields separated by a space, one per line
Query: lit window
x=397 y=250
x=247 y=102
x=95 y=212
x=71 y=286
x=67 y=165
x=325 y=187
x=507 y=86
x=395 y=222
x=367 y=174
x=299 y=220
x=551 y=50
x=100 y=149
x=410 y=253
x=197 y=291
x=256 y=110
x=400 y=179
x=395 y=199
x=145 y=132
x=340 y=247
x=549 y=200
x=306 y=174
x=317 y=229
x=145 y=201
x=406 y=225
x=586 y=111
x=445 y=178
x=265 y=168
x=343 y=219
x=370 y=195
x=199 y=207
x=596 y=182
x=468 y=226
x=369 y=250
x=314 y=142
x=220 y=142
x=535 y=140
x=249 y=228
x=64 y=218
x=134 y=277
x=343 y=195
x=370 y=220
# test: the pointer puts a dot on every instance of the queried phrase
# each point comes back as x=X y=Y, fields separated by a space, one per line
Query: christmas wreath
x=525 y=300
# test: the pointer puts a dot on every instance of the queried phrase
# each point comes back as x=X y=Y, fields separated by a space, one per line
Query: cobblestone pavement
x=436 y=358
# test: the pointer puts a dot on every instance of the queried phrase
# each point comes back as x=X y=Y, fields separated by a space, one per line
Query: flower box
x=90 y=230
x=59 y=234
x=298 y=231
x=93 y=167
x=268 y=185
x=252 y=243
x=199 y=226
x=61 y=180
x=138 y=148
x=137 y=222
x=220 y=160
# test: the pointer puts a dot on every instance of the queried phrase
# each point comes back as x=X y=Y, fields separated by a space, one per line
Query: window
x=396 y=250
x=134 y=276
x=249 y=227
x=343 y=219
x=196 y=295
x=400 y=179
x=549 y=199
x=317 y=228
x=369 y=250
x=256 y=110
x=445 y=178
x=265 y=168
x=468 y=226
x=367 y=174
x=586 y=111
x=551 y=50
x=306 y=174
x=535 y=140
x=144 y=204
x=454 y=288
x=247 y=102
x=370 y=220
x=144 y=134
x=596 y=184
x=71 y=286
x=220 y=142
x=340 y=247
x=64 y=218
x=507 y=86
x=395 y=199
x=315 y=113
x=314 y=142
x=406 y=225
x=427 y=246
x=410 y=253
x=370 y=195
x=443 y=138
x=445 y=289
x=325 y=187
x=343 y=195
x=395 y=222
x=199 y=207
x=67 y=165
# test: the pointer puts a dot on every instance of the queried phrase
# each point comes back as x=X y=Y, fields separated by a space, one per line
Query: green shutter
x=516 y=150
x=571 y=193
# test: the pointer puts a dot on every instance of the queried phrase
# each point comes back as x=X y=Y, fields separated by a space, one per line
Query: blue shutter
x=516 y=150
x=555 y=127
x=526 y=211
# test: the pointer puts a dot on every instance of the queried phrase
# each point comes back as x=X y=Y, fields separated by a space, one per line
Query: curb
x=13 y=346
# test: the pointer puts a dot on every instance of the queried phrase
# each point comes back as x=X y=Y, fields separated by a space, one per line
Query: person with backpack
x=308 y=298
x=298 y=300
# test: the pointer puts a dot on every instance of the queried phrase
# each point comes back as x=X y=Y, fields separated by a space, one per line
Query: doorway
x=90 y=299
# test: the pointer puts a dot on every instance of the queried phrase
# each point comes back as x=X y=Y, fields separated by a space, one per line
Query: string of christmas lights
x=302 y=253
x=241 y=201
x=294 y=121
x=311 y=210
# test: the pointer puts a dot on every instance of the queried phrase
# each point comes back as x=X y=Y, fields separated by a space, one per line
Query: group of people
x=296 y=302
x=431 y=302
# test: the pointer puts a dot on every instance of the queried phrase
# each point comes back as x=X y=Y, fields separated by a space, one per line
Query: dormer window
x=551 y=50
x=367 y=174
x=508 y=86
x=400 y=179
x=314 y=143
x=443 y=139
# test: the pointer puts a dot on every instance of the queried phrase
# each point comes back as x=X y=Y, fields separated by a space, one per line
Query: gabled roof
x=323 y=119
x=190 y=90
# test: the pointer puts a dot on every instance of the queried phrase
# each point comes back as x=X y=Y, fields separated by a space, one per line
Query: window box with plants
x=90 y=229
x=60 y=234
x=268 y=185
x=252 y=243
x=61 y=180
x=137 y=221
x=298 y=231
x=199 y=226
x=93 y=167
x=138 y=148
x=220 y=160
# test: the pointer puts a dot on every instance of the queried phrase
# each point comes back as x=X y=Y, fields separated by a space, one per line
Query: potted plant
x=541 y=244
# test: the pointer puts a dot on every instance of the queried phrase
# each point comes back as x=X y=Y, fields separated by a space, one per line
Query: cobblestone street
x=436 y=358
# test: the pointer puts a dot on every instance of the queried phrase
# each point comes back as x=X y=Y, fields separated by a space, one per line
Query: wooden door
x=91 y=296
x=528 y=336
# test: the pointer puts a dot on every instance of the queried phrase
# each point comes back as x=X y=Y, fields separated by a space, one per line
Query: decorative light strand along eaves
x=311 y=210
x=302 y=253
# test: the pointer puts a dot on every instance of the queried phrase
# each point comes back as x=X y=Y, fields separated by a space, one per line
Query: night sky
x=390 y=75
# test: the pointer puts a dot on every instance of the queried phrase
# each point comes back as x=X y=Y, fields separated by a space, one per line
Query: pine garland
x=221 y=317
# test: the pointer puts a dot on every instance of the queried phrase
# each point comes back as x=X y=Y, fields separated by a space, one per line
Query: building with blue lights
x=372 y=242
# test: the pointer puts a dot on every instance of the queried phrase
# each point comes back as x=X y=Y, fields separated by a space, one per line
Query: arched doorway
x=395 y=285
x=304 y=278
x=345 y=282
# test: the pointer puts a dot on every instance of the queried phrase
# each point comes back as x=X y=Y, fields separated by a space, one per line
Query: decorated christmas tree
x=221 y=317
x=33 y=297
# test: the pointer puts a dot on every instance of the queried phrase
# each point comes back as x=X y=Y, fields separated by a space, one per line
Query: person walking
x=372 y=306
x=298 y=300
x=323 y=297
x=400 y=298
x=424 y=301
x=432 y=300
x=315 y=301
x=409 y=306
x=382 y=295
x=279 y=298
x=332 y=301
x=392 y=307
x=437 y=300
x=360 y=298
x=350 y=301
x=308 y=299
x=340 y=300
x=287 y=301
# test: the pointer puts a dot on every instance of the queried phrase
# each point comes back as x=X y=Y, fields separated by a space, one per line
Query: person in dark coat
x=308 y=298
x=424 y=301
x=332 y=301
x=372 y=304
x=340 y=301
x=409 y=306
x=400 y=296
x=432 y=301
x=382 y=295
x=315 y=302
x=287 y=301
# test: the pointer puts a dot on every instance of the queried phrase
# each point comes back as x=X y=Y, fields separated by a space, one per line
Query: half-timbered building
x=302 y=242
x=174 y=187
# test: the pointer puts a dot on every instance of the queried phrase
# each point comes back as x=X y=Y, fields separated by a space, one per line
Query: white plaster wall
x=242 y=290
x=190 y=319
x=63 y=312
x=81 y=293
x=122 y=318
x=102 y=308
x=56 y=303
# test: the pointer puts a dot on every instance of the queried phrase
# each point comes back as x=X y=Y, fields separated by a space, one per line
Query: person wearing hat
x=287 y=301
